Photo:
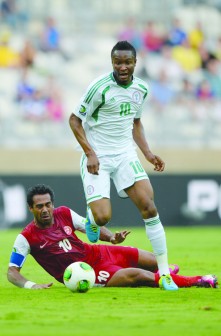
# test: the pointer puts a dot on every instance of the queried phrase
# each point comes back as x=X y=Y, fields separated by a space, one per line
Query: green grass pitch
x=118 y=311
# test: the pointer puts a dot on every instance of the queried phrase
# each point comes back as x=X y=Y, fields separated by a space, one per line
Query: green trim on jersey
x=84 y=157
x=92 y=198
x=95 y=113
x=95 y=87
x=145 y=89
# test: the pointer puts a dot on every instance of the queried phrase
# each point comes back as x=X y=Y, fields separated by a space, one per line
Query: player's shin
x=156 y=234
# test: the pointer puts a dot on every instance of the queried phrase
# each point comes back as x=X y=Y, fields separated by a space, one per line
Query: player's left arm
x=139 y=138
x=113 y=238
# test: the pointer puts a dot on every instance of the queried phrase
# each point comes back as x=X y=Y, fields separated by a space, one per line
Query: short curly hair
x=124 y=45
x=39 y=189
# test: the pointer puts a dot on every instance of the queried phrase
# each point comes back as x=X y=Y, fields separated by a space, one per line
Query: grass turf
x=118 y=311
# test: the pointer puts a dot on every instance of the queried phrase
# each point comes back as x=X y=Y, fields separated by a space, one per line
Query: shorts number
x=103 y=276
x=137 y=167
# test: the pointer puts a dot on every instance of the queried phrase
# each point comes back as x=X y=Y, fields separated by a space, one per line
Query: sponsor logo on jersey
x=82 y=110
x=112 y=100
x=136 y=96
x=90 y=190
x=68 y=230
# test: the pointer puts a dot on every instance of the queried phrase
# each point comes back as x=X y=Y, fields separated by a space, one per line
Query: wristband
x=29 y=284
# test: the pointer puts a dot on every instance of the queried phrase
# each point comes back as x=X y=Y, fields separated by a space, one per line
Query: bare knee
x=149 y=210
x=101 y=211
x=101 y=219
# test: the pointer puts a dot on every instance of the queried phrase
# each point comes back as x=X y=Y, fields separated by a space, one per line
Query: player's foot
x=174 y=269
x=166 y=282
x=208 y=281
x=92 y=230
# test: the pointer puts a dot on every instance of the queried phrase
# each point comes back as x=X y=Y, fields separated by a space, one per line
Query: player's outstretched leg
x=166 y=282
x=92 y=229
x=207 y=281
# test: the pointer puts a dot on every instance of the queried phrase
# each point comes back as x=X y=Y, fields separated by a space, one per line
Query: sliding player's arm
x=20 y=251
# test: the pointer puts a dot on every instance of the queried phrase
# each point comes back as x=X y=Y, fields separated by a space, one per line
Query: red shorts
x=114 y=258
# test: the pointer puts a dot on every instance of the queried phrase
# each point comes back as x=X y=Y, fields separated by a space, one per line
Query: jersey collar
x=123 y=86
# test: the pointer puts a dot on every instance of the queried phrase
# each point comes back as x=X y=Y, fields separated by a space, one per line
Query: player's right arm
x=20 y=251
x=78 y=130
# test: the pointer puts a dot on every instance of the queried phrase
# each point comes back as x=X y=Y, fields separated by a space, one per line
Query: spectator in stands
x=177 y=34
x=11 y=14
x=8 y=56
x=162 y=92
x=25 y=89
x=187 y=57
x=54 y=100
x=164 y=61
x=152 y=39
x=31 y=99
x=213 y=77
x=205 y=55
x=8 y=12
x=196 y=36
x=27 y=55
x=34 y=108
x=204 y=91
x=50 y=39
x=131 y=34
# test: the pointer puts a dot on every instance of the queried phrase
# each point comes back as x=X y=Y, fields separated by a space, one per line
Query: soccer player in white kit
x=107 y=124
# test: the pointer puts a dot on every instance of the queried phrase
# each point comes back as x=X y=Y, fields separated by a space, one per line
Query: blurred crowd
x=37 y=95
x=182 y=67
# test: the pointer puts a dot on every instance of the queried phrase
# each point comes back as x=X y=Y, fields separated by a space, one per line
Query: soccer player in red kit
x=50 y=238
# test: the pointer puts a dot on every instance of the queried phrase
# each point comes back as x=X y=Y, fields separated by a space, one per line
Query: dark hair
x=39 y=189
x=124 y=45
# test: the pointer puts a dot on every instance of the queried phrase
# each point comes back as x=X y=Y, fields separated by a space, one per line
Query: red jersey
x=57 y=247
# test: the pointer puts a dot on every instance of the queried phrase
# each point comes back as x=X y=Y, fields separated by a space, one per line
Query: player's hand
x=119 y=237
x=158 y=163
x=42 y=286
x=93 y=164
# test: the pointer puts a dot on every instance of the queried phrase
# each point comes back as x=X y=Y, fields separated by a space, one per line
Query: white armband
x=29 y=284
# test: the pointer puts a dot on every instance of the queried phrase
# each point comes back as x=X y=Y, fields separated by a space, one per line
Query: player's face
x=123 y=62
x=42 y=210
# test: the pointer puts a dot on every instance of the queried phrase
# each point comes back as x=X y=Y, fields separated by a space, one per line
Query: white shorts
x=123 y=169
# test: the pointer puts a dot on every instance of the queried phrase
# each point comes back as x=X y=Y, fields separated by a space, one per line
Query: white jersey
x=108 y=110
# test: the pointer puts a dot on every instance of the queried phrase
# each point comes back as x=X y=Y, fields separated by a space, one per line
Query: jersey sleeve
x=20 y=251
x=145 y=94
x=78 y=221
x=91 y=100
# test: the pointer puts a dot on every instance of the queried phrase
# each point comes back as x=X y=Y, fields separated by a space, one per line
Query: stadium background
x=185 y=131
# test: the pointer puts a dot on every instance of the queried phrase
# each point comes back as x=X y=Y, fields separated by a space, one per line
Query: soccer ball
x=79 y=277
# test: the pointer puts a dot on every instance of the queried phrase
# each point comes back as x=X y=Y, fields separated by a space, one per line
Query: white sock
x=156 y=234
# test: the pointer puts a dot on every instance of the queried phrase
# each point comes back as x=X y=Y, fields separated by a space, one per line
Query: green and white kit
x=107 y=111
